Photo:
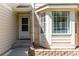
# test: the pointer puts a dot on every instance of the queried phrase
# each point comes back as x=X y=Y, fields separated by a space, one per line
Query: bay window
x=43 y=24
x=60 y=21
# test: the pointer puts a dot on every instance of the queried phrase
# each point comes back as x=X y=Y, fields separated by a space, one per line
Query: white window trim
x=43 y=23
x=24 y=24
x=61 y=34
x=68 y=33
x=23 y=16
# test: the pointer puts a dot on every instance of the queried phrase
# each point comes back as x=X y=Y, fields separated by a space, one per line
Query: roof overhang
x=21 y=7
x=58 y=7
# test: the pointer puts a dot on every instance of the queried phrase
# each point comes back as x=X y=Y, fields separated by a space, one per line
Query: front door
x=24 y=27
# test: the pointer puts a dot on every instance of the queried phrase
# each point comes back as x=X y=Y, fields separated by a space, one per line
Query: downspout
x=33 y=9
x=76 y=30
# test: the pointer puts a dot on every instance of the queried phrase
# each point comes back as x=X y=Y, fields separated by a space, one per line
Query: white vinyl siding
x=7 y=28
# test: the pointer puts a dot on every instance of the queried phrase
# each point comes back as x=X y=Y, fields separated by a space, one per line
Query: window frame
x=68 y=31
x=43 y=22
x=24 y=24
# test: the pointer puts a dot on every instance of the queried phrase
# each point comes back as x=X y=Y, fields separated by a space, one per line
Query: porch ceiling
x=20 y=7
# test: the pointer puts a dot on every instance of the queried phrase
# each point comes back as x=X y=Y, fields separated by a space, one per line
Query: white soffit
x=20 y=7
x=23 y=7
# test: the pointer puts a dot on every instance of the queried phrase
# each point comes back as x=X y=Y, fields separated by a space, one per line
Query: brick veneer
x=54 y=52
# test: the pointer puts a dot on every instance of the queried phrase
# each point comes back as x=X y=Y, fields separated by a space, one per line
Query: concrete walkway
x=20 y=48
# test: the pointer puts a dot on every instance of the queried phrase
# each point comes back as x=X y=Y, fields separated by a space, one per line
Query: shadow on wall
x=77 y=29
x=40 y=36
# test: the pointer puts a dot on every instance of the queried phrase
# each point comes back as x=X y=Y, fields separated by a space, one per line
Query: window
x=60 y=21
x=24 y=24
x=43 y=23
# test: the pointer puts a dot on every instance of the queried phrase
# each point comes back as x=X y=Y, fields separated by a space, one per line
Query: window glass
x=43 y=23
x=24 y=20
x=24 y=24
x=60 y=21
x=24 y=27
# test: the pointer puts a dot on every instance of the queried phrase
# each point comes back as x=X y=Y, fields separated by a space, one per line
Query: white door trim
x=24 y=34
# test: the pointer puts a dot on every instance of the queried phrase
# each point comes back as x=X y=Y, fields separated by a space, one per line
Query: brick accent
x=54 y=52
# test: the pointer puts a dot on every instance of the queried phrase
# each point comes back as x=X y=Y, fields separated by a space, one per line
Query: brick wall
x=54 y=52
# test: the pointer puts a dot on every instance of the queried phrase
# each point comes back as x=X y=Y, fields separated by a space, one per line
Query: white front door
x=24 y=27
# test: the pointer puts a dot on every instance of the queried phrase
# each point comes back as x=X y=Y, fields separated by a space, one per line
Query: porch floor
x=25 y=48
x=20 y=48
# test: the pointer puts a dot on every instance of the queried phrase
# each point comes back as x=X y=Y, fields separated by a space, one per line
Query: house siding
x=77 y=29
x=36 y=30
x=7 y=28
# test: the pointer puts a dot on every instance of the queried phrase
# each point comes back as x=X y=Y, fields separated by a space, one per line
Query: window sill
x=59 y=34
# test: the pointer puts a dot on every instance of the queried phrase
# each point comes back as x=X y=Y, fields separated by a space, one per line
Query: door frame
x=20 y=23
